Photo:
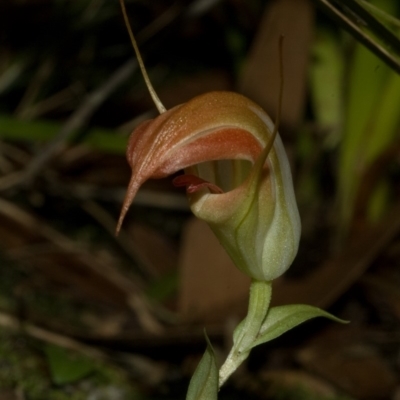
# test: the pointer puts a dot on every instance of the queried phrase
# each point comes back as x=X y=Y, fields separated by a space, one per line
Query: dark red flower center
x=193 y=183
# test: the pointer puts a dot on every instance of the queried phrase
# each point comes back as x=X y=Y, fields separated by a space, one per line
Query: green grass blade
x=104 y=140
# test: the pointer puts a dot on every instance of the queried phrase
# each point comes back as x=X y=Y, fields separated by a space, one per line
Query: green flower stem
x=247 y=331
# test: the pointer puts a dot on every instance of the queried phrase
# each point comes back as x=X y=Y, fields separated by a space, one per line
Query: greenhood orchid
x=238 y=180
x=237 y=176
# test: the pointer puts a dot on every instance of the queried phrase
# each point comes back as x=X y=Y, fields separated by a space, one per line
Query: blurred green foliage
x=371 y=125
x=355 y=98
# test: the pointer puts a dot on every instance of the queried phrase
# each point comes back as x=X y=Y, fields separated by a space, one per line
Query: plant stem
x=247 y=331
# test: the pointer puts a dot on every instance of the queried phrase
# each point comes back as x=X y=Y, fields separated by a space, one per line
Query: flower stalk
x=247 y=331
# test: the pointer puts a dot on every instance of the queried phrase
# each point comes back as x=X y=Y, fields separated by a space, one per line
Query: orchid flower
x=255 y=217
x=238 y=180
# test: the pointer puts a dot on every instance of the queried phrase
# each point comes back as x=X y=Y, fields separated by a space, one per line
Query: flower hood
x=256 y=218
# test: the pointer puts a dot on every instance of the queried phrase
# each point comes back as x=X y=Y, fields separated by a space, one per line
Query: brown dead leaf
x=353 y=366
x=260 y=79
x=155 y=248
x=211 y=285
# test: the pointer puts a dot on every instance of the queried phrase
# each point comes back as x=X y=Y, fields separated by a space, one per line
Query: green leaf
x=66 y=367
x=204 y=382
x=164 y=287
x=366 y=80
x=379 y=200
x=105 y=140
x=326 y=78
x=283 y=318
x=384 y=122
x=238 y=330
x=366 y=28
x=379 y=13
x=371 y=119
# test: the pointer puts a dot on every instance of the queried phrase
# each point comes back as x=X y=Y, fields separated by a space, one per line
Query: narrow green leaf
x=379 y=200
x=326 y=78
x=66 y=367
x=378 y=12
x=163 y=287
x=372 y=95
x=43 y=131
x=367 y=76
x=238 y=330
x=368 y=37
x=204 y=382
x=385 y=120
x=283 y=318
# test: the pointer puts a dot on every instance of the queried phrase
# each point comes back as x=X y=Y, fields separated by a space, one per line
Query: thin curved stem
x=153 y=94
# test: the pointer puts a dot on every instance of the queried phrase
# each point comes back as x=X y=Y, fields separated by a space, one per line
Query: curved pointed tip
x=130 y=195
x=120 y=221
